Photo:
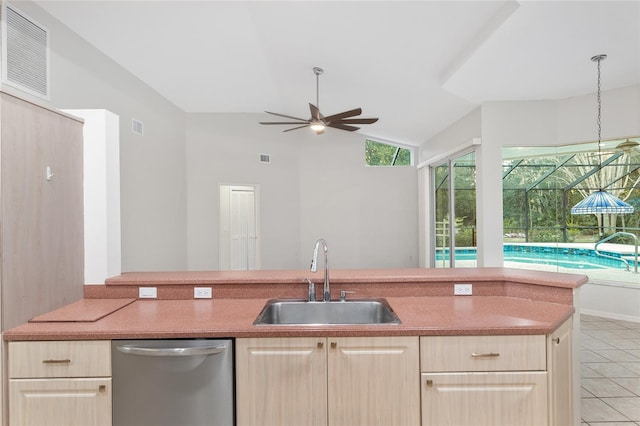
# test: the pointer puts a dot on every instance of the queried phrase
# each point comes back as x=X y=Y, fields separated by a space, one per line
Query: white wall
x=152 y=166
x=102 y=230
x=315 y=186
x=460 y=132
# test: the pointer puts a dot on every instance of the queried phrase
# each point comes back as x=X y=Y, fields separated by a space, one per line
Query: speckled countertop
x=504 y=301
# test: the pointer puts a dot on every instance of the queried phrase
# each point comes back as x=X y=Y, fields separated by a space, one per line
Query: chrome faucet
x=314 y=267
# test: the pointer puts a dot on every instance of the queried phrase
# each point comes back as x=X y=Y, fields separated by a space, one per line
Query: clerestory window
x=384 y=154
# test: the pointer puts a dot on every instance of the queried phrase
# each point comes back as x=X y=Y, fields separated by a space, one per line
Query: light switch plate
x=462 y=289
x=147 y=292
x=202 y=293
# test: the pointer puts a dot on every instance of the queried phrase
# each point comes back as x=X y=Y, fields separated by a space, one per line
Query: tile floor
x=610 y=378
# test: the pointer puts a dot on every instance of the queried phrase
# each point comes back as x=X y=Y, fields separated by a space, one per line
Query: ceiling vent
x=25 y=52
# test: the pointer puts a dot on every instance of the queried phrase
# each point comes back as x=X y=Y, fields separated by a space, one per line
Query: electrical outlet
x=462 y=289
x=147 y=292
x=202 y=292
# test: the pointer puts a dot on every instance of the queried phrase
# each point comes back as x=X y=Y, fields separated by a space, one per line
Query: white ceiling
x=417 y=65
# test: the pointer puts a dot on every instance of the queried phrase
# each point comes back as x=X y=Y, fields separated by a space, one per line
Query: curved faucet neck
x=314 y=266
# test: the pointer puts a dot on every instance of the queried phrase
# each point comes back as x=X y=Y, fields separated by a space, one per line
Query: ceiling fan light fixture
x=317 y=126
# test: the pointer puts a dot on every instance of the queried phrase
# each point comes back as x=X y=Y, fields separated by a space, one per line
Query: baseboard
x=610 y=315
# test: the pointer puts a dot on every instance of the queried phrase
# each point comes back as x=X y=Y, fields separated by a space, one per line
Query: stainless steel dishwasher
x=182 y=382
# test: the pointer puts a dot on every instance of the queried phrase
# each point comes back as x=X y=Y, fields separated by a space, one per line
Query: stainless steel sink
x=302 y=312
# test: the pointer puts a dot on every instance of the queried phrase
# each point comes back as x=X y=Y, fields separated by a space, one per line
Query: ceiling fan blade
x=280 y=122
x=286 y=116
x=296 y=128
x=346 y=114
x=338 y=125
x=358 y=121
x=315 y=113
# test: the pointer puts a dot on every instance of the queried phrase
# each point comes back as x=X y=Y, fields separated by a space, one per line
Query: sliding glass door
x=454 y=216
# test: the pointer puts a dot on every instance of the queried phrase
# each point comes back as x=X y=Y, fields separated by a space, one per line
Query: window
x=541 y=184
x=383 y=154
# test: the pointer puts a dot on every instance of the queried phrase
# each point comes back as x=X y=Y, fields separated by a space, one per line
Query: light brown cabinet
x=561 y=380
x=497 y=380
x=41 y=213
x=327 y=381
x=65 y=383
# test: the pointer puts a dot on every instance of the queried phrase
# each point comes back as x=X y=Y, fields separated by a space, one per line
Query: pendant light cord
x=597 y=59
x=599 y=105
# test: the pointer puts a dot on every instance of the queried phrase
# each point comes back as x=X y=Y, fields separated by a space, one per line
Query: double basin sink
x=335 y=312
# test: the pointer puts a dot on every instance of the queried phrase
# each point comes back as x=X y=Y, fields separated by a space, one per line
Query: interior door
x=239 y=230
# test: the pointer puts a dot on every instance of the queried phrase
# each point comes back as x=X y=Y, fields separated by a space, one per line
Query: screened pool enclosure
x=540 y=186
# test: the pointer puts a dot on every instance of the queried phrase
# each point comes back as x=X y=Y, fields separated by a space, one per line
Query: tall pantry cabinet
x=41 y=211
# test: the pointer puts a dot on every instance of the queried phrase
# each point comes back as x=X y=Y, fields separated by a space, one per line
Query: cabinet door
x=60 y=402
x=281 y=381
x=41 y=212
x=373 y=381
x=484 y=399
x=561 y=376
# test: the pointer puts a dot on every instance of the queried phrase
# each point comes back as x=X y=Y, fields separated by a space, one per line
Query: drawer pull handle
x=557 y=340
x=489 y=355
x=102 y=388
x=320 y=345
x=429 y=383
x=56 y=361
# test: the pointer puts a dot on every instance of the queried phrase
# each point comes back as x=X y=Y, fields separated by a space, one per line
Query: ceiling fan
x=318 y=122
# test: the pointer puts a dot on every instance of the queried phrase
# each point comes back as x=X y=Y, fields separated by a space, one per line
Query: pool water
x=573 y=258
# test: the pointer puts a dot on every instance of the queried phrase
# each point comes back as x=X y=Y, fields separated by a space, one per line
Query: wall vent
x=25 y=52
x=265 y=158
x=137 y=127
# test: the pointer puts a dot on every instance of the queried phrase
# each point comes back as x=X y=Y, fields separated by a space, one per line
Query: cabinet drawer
x=482 y=353
x=69 y=402
x=60 y=359
x=489 y=399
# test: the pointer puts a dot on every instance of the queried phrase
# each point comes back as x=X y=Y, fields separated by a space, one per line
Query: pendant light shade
x=601 y=201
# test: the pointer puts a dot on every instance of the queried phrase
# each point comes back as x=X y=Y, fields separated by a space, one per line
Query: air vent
x=265 y=158
x=25 y=48
x=137 y=127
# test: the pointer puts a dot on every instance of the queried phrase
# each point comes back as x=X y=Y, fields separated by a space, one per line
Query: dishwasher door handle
x=188 y=351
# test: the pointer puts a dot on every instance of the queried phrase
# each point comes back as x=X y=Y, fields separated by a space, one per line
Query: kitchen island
x=527 y=316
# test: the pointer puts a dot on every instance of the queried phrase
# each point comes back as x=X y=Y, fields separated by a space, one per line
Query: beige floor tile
x=594 y=355
x=629 y=406
x=595 y=410
x=605 y=387
x=615 y=355
x=621 y=343
x=633 y=366
x=611 y=369
x=632 y=384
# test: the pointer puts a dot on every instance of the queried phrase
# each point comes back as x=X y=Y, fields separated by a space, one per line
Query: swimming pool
x=563 y=257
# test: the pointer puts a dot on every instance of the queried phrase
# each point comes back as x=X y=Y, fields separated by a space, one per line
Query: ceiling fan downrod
x=317 y=71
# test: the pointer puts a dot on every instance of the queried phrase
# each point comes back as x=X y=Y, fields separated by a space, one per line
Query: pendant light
x=600 y=201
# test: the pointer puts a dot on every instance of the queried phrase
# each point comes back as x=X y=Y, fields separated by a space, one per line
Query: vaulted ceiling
x=417 y=65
